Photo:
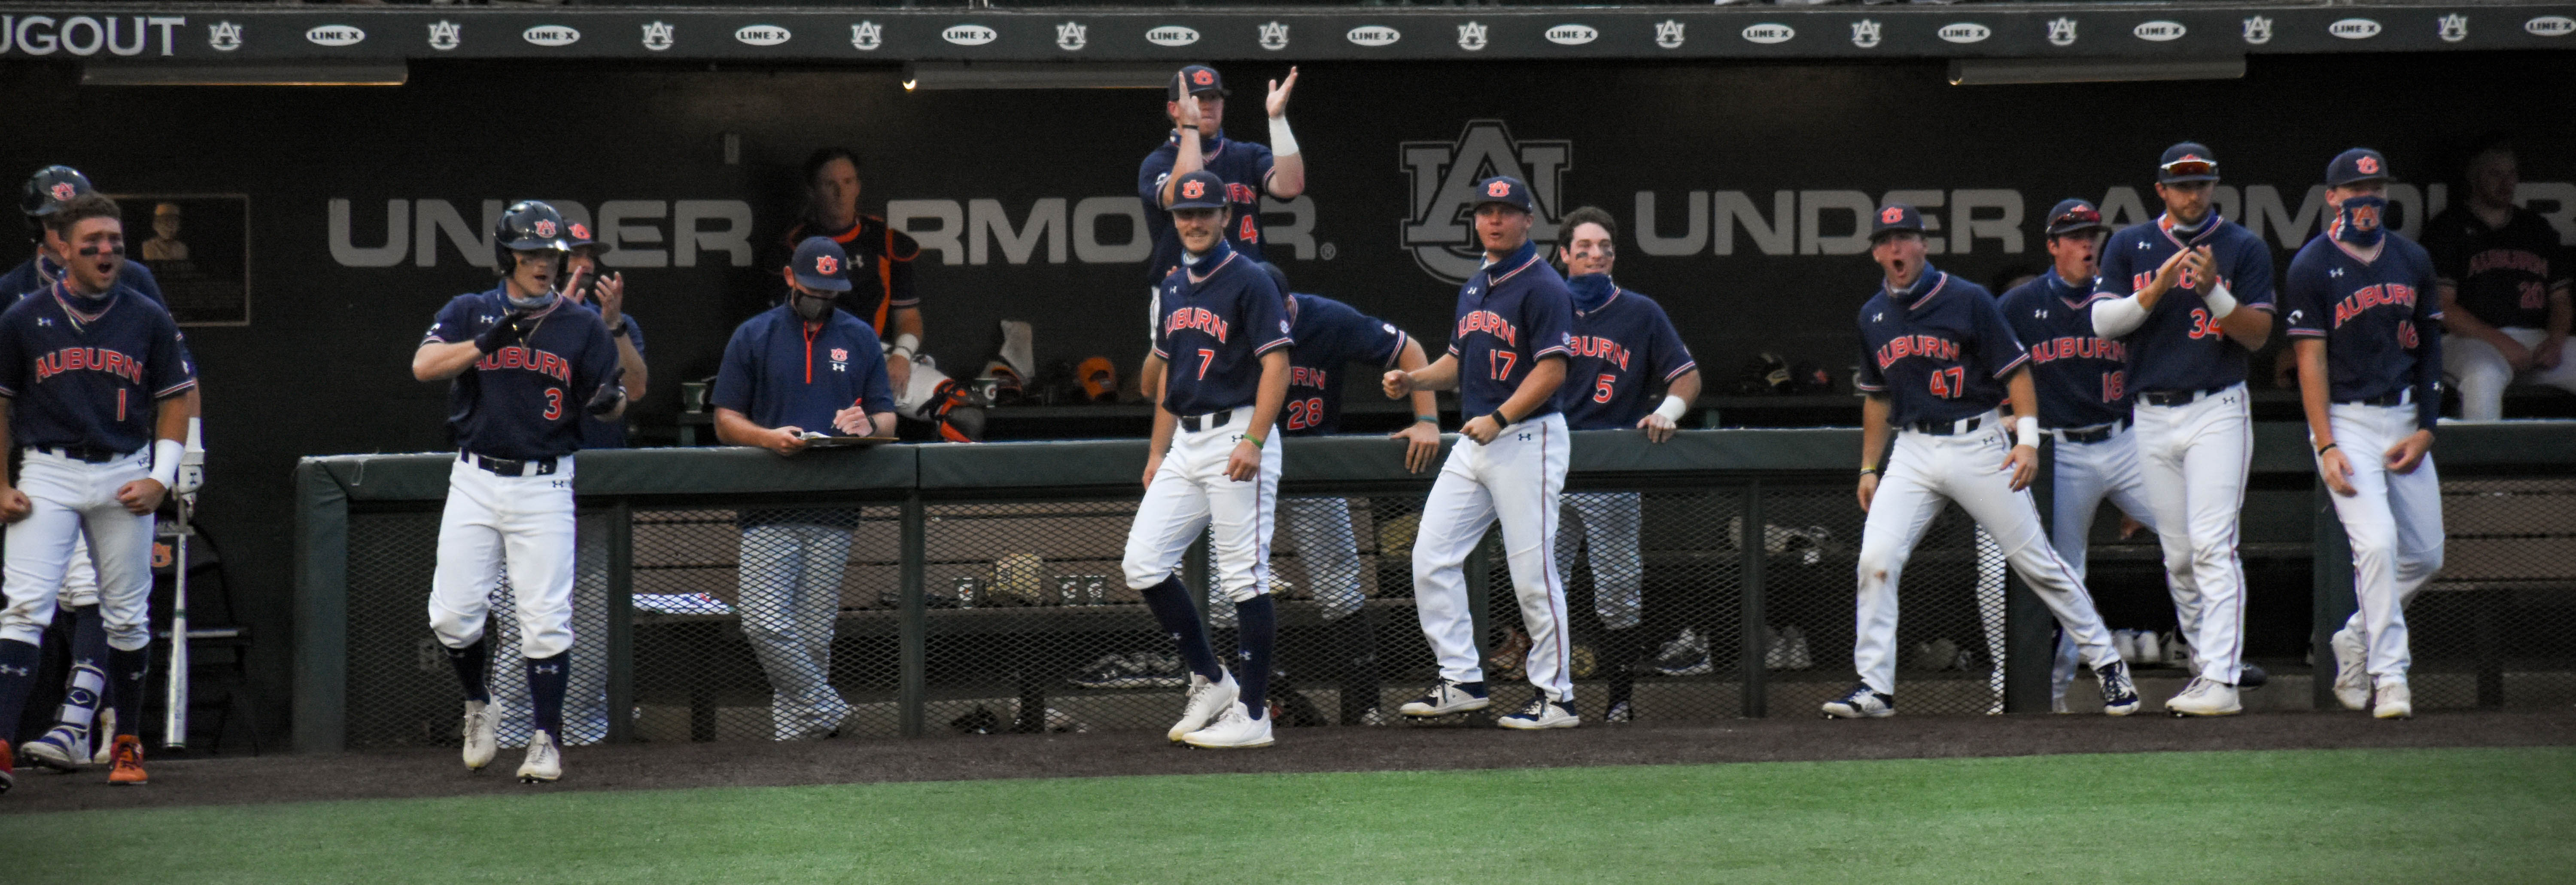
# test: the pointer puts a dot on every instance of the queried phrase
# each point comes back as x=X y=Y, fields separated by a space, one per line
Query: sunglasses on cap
x=2191 y=166
x=2078 y=215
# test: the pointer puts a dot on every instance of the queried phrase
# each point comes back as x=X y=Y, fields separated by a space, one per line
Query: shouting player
x=1213 y=466
x=2365 y=319
x=1507 y=355
x=1936 y=359
x=2190 y=295
x=1624 y=347
x=525 y=367
x=91 y=379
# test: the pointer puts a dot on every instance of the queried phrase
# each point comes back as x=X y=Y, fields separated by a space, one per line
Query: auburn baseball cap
x=1895 y=218
x=1199 y=190
x=2188 y=161
x=578 y=236
x=2073 y=215
x=2356 y=165
x=1197 y=80
x=1502 y=189
x=821 y=265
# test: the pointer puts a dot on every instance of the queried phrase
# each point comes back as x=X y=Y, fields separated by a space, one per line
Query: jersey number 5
x=1958 y=382
x=1601 y=388
x=554 y=403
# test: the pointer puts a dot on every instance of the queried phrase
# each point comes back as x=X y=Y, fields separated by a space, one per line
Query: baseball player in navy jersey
x=1936 y=360
x=2505 y=282
x=1507 y=355
x=2365 y=316
x=1213 y=466
x=525 y=367
x=803 y=366
x=2190 y=295
x=92 y=375
x=1624 y=349
x=2081 y=379
x=586 y=692
x=1331 y=336
x=1195 y=104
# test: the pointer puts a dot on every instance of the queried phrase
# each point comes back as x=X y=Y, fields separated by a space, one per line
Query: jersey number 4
x=1957 y=382
x=1305 y=413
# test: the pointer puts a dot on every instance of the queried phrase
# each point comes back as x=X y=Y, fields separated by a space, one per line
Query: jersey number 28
x=1305 y=413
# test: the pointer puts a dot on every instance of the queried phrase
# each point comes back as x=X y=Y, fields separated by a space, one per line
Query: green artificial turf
x=2341 y=816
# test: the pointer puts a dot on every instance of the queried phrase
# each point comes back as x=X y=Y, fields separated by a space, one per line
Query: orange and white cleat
x=127 y=769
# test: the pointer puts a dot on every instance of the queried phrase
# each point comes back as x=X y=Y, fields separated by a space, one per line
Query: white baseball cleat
x=1861 y=703
x=1540 y=713
x=1207 y=701
x=2352 y=679
x=2204 y=697
x=2119 y=692
x=2395 y=702
x=544 y=763
x=1233 y=729
x=480 y=744
x=60 y=749
x=103 y=732
x=1446 y=698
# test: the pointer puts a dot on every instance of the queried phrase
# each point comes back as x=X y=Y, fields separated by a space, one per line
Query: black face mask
x=809 y=306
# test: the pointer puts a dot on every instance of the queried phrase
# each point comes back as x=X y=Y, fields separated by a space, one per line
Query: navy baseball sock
x=1260 y=626
x=1619 y=650
x=469 y=663
x=1359 y=664
x=125 y=680
x=546 y=680
x=18 y=663
x=1170 y=602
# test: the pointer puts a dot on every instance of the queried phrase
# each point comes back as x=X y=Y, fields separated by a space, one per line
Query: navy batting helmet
x=50 y=188
x=528 y=226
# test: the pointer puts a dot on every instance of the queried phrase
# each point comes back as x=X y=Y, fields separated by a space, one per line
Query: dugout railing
x=979 y=590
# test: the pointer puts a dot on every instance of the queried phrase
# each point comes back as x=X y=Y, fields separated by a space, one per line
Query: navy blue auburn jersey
x=1212 y=330
x=1939 y=349
x=781 y=371
x=524 y=401
x=38 y=272
x=1245 y=169
x=2380 y=318
x=89 y=372
x=1511 y=314
x=1330 y=335
x=2504 y=274
x=2180 y=347
x=1622 y=353
x=2081 y=377
x=611 y=434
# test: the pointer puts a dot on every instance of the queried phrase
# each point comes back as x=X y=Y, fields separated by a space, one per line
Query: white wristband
x=2221 y=302
x=908 y=343
x=1672 y=408
x=2116 y=317
x=165 y=461
x=1281 y=142
x=2026 y=431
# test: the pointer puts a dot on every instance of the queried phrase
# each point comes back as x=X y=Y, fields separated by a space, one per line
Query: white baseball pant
x=2194 y=458
x=80 y=579
x=2480 y=372
x=791 y=604
x=2084 y=475
x=586 y=686
x=1321 y=530
x=520 y=523
x=1924 y=473
x=1191 y=494
x=1517 y=479
x=71 y=499
x=2395 y=523
x=1609 y=522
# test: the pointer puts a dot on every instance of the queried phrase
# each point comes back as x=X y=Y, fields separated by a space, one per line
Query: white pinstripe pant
x=1517 y=479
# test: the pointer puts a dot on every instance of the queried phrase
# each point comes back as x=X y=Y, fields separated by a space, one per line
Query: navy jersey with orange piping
x=781 y=371
x=2081 y=377
x=524 y=401
x=2380 y=317
x=38 y=271
x=1213 y=320
x=1243 y=166
x=1511 y=314
x=88 y=372
x=1622 y=353
x=2180 y=346
x=1330 y=336
x=1939 y=349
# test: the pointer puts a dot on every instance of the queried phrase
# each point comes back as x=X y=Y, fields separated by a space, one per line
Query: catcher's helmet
x=528 y=226
x=50 y=188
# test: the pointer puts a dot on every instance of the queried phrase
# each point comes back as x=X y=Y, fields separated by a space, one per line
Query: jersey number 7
x=1206 y=356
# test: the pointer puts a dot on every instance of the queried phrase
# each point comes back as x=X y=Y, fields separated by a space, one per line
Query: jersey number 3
x=554 y=403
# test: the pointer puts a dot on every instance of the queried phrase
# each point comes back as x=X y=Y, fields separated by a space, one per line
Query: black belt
x=1209 y=421
x=507 y=467
x=2093 y=434
x=2392 y=398
x=1945 y=428
x=2177 y=397
x=83 y=453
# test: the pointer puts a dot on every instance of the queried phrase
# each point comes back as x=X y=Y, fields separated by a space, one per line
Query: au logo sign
x=1444 y=174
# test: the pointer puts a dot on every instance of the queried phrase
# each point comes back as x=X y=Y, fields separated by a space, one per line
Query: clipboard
x=827 y=441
